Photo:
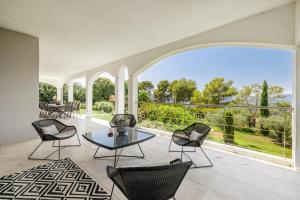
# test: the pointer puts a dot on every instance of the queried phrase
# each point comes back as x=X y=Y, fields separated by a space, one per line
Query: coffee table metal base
x=116 y=156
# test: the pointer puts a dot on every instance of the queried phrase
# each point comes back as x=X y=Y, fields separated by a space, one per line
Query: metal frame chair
x=128 y=117
x=149 y=183
x=182 y=138
x=65 y=132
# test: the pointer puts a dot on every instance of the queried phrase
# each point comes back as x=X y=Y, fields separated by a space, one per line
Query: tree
x=143 y=96
x=46 y=92
x=146 y=86
x=229 y=128
x=79 y=92
x=182 y=90
x=275 y=93
x=218 y=90
x=102 y=89
x=162 y=93
x=264 y=100
x=249 y=95
x=197 y=97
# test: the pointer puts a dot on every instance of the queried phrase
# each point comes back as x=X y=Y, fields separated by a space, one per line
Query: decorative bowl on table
x=122 y=126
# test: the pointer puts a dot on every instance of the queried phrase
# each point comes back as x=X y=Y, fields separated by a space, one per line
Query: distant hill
x=287 y=98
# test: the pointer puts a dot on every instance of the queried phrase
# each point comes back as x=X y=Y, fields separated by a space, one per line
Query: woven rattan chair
x=182 y=138
x=129 y=118
x=149 y=183
x=64 y=132
x=43 y=109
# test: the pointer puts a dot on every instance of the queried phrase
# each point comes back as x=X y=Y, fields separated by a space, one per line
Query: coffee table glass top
x=110 y=138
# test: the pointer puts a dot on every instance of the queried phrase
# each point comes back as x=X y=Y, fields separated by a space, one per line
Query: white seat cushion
x=50 y=130
x=195 y=135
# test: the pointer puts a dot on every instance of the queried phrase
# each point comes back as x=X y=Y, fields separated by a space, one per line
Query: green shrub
x=167 y=114
x=277 y=126
x=215 y=118
x=229 y=129
x=82 y=105
x=104 y=106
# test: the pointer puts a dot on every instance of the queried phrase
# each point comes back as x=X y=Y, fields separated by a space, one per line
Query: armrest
x=175 y=161
x=111 y=171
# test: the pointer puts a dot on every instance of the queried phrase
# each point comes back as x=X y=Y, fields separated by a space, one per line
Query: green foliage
x=280 y=128
x=65 y=92
x=275 y=92
x=249 y=95
x=146 y=86
x=46 y=92
x=162 y=93
x=167 y=114
x=229 y=128
x=182 y=90
x=197 y=97
x=82 y=106
x=217 y=91
x=283 y=104
x=143 y=96
x=79 y=92
x=264 y=100
x=102 y=89
x=104 y=106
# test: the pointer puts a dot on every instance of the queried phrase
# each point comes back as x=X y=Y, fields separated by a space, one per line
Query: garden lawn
x=242 y=139
x=99 y=115
x=255 y=142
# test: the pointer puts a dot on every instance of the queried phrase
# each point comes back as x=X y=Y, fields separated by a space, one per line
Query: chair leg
x=29 y=157
x=73 y=145
x=181 y=153
x=45 y=158
x=178 y=151
x=201 y=166
x=112 y=190
x=211 y=164
x=58 y=149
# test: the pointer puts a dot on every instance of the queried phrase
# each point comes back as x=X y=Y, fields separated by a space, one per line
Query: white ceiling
x=76 y=35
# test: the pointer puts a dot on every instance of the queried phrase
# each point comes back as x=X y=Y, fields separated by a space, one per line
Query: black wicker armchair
x=192 y=136
x=149 y=183
x=129 y=118
x=63 y=132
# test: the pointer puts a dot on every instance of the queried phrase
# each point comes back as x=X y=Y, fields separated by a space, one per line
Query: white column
x=59 y=94
x=120 y=91
x=296 y=111
x=89 y=98
x=133 y=94
x=70 y=92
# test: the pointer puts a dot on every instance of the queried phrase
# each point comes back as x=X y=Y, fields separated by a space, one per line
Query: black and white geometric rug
x=61 y=180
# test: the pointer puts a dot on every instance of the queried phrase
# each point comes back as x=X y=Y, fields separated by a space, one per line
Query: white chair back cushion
x=195 y=135
x=50 y=130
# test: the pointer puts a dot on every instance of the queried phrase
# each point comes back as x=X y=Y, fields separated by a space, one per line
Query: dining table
x=56 y=108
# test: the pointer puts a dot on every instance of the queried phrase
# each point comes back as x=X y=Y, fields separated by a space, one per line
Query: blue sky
x=243 y=65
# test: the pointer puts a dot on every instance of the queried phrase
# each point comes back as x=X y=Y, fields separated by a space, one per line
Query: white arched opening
x=295 y=82
x=89 y=89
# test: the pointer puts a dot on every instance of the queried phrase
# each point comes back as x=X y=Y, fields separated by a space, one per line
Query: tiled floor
x=231 y=177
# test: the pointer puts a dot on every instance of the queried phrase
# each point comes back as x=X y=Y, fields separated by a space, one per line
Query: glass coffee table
x=111 y=139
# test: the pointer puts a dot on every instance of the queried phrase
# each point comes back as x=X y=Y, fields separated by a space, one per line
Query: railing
x=271 y=134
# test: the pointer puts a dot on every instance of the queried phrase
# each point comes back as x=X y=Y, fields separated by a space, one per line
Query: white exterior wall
x=19 y=86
